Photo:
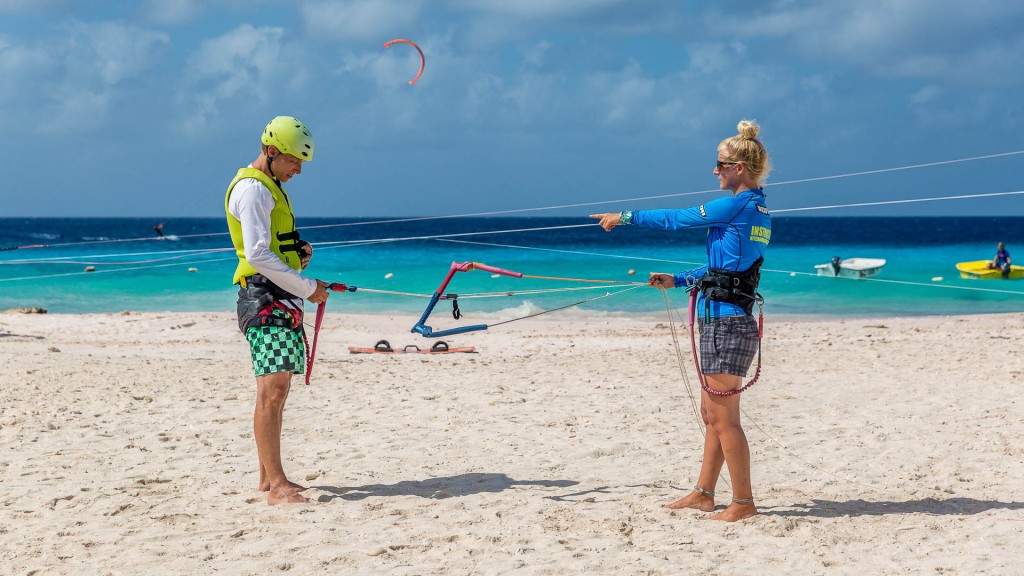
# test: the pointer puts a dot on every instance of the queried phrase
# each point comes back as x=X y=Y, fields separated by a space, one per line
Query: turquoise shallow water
x=140 y=272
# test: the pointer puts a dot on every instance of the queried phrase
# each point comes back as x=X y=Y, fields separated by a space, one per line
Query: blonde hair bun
x=748 y=129
x=746 y=148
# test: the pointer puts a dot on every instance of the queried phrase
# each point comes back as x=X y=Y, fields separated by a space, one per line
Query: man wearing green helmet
x=271 y=257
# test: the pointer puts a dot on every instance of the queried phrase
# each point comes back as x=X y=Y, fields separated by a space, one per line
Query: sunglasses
x=721 y=164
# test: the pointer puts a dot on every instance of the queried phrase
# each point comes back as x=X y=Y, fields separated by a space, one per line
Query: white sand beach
x=879 y=446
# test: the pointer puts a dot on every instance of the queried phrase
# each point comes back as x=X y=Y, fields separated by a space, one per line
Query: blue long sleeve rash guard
x=739 y=229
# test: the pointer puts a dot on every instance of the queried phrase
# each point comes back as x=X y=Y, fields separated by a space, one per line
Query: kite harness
x=739 y=288
x=258 y=298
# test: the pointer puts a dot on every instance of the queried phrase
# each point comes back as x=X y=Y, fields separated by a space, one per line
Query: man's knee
x=273 y=389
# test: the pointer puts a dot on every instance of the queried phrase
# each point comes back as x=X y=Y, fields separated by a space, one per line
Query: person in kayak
x=1001 y=261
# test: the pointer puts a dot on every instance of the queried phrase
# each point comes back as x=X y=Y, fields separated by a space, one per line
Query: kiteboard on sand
x=384 y=347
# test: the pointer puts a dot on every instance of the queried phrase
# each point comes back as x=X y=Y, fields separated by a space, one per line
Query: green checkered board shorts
x=276 y=349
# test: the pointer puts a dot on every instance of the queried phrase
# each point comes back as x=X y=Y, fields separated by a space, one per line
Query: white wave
x=524 y=309
x=527 y=308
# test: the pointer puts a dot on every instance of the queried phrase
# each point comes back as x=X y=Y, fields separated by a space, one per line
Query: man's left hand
x=305 y=253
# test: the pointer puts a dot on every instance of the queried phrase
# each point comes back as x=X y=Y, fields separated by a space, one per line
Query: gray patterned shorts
x=728 y=344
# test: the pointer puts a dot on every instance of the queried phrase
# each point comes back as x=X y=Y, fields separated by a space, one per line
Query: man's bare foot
x=265 y=486
x=285 y=495
x=735 y=511
x=695 y=500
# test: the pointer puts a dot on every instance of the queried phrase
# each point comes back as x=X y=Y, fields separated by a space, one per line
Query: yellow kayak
x=979 y=270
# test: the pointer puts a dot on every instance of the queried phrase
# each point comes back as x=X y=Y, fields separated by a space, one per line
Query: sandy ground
x=881 y=446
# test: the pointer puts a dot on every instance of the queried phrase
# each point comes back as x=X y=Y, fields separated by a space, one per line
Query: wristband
x=626 y=218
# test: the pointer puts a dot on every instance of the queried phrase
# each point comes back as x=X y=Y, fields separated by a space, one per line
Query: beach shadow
x=574 y=496
x=437 y=488
x=833 y=509
x=8 y=335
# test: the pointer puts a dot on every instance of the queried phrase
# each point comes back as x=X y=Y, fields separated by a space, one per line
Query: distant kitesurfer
x=159 y=229
x=1001 y=261
x=739 y=229
x=271 y=287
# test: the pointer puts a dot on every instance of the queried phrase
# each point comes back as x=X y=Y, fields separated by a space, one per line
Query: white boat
x=851 y=267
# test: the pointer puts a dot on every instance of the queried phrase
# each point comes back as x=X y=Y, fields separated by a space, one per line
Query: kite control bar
x=339 y=287
x=427 y=331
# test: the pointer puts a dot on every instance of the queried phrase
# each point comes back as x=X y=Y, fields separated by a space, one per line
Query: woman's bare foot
x=695 y=500
x=265 y=486
x=285 y=495
x=736 y=511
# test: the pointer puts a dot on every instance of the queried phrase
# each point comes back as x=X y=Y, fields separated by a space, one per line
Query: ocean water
x=136 y=270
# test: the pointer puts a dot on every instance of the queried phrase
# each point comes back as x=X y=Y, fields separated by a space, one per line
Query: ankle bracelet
x=703 y=491
x=743 y=500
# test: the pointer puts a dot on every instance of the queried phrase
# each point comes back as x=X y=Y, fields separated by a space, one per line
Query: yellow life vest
x=283 y=236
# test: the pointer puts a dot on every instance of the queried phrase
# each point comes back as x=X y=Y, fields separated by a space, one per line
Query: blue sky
x=147 y=107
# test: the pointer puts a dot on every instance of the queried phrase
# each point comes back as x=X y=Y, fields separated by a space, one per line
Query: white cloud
x=360 y=19
x=926 y=95
x=70 y=83
x=389 y=68
x=76 y=110
x=942 y=41
x=715 y=58
x=33 y=6
x=168 y=12
x=93 y=56
x=536 y=54
x=231 y=54
x=20 y=67
x=623 y=97
x=241 y=64
x=542 y=9
x=112 y=51
x=817 y=85
x=494 y=22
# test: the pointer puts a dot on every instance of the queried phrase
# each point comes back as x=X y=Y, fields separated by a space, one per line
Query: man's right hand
x=320 y=294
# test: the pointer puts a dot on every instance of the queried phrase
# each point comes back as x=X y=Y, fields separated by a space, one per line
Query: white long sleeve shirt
x=251 y=203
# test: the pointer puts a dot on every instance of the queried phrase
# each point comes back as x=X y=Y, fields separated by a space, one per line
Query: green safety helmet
x=290 y=136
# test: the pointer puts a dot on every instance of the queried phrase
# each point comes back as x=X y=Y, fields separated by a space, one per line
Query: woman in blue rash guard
x=739 y=229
